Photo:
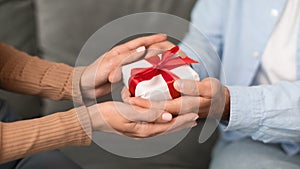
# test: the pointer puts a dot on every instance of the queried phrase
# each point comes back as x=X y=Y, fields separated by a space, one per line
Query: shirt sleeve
x=25 y=74
x=269 y=113
x=204 y=40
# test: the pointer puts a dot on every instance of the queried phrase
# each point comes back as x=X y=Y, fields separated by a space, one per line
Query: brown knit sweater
x=25 y=74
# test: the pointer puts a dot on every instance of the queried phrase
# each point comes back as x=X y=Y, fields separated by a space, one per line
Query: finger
x=151 y=115
x=153 y=52
x=158 y=48
x=146 y=41
x=154 y=116
x=188 y=87
x=115 y=75
x=125 y=94
x=142 y=41
x=164 y=45
x=145 y=103
x=139 y=114
x=103 y=90
x=182 y=122
x=143 y=130
x=182 y=105
x=164 y=118
x=132 y=55
x=173 y=106
x=187 y=104
x=122 y=59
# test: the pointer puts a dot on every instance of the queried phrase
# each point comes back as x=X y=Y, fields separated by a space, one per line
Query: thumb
x=187 y=87
x=125 y=58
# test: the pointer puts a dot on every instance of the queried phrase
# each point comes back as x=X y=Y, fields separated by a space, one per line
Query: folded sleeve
x=269 y=113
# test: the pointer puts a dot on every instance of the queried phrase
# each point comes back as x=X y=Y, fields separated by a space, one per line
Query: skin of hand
x=97 y=78
x=209 y=98
x=160 y=47
x=121 y=118
x=137 y=122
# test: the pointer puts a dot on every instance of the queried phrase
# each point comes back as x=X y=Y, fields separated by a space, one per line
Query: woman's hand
x=160 y=47
x=137 y=122
x=97 y=79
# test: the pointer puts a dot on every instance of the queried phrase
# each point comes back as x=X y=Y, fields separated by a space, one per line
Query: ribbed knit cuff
x=20 y=72
x=80 y=107
x=76 y=87
x=23 y=138
x=57 y=82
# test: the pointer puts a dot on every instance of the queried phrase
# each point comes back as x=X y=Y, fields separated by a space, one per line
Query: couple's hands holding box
x=152 y=78
x=122 y=118
x=208 y=98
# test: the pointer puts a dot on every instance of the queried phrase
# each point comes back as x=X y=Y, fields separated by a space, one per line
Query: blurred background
x=56 y=30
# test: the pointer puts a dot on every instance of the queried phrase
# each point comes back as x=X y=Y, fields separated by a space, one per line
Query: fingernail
x=196 y=118
x=167 y=116
x=177 y=84
x=141 y=49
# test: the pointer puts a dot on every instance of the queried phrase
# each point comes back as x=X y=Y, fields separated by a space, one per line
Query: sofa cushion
x=18 y=28
x=65 y=25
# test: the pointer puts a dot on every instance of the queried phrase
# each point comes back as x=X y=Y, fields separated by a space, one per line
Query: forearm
x=269 y=113
x=23 y=138
x=25 y=74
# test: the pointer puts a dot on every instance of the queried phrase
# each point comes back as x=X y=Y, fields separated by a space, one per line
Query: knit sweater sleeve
x=25 y=74
x=27 y=137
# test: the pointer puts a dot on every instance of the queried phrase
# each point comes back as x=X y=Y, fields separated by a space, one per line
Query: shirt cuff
x=246 y=104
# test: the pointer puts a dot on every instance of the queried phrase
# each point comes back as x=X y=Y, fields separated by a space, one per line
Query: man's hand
x=132 y=121
x=98 y=77
x=208 y=97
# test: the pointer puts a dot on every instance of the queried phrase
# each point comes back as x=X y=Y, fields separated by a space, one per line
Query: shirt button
x=256 y=54
x=274 y=12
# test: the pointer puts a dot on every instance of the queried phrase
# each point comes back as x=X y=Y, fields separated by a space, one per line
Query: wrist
x=84 y=119
x=226 y=112
x=92 y=111
x=96 y=117
x=76 y=85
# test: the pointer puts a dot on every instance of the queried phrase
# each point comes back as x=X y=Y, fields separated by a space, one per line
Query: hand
x=98 y=77
x=160 y=47
x=132 y=121
x=208 y=97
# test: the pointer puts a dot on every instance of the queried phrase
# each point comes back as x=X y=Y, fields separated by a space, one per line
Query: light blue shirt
x=239 y=31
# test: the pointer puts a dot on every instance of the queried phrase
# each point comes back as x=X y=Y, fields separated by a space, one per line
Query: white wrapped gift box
x=156 y=89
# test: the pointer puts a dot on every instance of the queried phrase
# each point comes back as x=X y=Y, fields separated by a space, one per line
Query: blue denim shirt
x=239 y=31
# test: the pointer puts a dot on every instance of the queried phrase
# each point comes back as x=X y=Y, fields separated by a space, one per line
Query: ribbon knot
x=160 y=67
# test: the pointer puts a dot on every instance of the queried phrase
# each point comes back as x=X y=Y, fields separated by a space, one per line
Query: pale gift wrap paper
x=156 y=89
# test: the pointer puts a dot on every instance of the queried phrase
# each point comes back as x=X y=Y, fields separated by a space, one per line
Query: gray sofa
x=56 y=30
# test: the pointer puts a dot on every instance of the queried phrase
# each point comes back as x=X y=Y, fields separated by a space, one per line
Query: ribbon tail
x=170 y=79
x=169 y=53
x=188 y=60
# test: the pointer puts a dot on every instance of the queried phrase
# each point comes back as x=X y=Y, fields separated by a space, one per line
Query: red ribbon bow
x=160 y=67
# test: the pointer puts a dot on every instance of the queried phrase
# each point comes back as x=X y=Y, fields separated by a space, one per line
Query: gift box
x=153 y=78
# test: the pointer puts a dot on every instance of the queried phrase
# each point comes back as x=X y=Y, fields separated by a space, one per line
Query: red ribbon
x=160 y=67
